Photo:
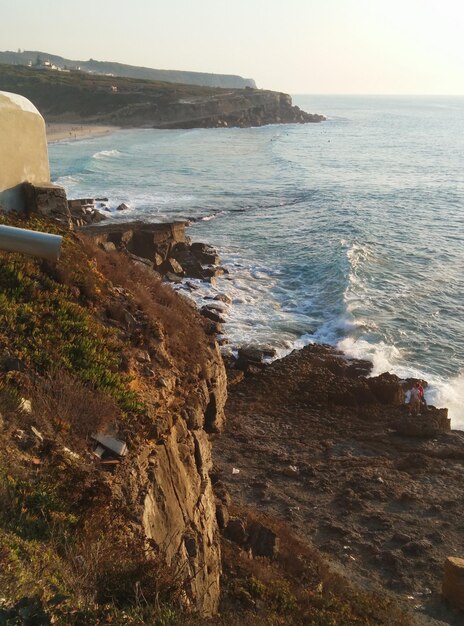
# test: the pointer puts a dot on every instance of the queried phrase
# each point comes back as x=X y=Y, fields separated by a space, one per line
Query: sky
x=296 y=46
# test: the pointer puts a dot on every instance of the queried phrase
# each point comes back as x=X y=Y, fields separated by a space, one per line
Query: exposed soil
x=387 y=507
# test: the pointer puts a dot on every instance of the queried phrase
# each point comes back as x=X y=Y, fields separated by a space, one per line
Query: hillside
x=77 y=97
x=228 y=81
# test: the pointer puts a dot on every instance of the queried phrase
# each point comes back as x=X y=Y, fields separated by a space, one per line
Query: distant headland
x=35 y=58
x=81 y=97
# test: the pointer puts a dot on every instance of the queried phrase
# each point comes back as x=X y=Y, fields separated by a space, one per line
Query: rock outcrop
x=244 y=108
x=164 y=247
x=172 y=492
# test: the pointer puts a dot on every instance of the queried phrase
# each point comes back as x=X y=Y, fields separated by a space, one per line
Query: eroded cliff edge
x=94 y=346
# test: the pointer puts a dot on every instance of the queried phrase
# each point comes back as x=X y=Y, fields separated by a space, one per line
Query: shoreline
x=205 y=297
x=75 y=132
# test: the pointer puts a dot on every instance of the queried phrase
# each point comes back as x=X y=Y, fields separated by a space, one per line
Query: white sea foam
x=449 y=393
x=67 y=181
x=441 y=392
x=208 y=218
x=103 y=154
x=384 y=358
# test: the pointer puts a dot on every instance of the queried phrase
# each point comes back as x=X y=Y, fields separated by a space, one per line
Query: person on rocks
x=422 y=399
x=414 y=400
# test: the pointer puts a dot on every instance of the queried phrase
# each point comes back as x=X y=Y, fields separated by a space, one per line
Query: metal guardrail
x=31 y=242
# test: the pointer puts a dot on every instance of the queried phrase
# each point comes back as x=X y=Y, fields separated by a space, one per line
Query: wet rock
x=205 y=253
x=122 y=207
x=211 y=314
x=173 y=278
x=222 y=297
x=251 y=359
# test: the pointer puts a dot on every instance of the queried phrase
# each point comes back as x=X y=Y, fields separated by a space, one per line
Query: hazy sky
x=297 y=46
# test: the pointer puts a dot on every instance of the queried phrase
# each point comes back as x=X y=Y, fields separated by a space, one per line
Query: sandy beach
x=74 y=132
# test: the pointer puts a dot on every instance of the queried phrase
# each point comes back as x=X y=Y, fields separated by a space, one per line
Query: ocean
x=348 y=232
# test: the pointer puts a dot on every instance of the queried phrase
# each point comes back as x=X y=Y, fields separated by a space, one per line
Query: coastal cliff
x=106 y=400
x=81 y=98
x=113 y=390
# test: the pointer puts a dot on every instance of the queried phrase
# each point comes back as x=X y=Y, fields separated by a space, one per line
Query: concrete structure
x=23 y=149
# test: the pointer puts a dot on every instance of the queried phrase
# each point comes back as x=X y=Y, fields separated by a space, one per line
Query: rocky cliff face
x=165 y=488
x=168 y=489
x=243 y=108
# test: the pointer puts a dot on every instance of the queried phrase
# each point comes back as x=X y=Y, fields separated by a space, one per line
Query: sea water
x=348 y=232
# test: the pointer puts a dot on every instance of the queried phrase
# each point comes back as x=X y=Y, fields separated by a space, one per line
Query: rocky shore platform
x=311 y=440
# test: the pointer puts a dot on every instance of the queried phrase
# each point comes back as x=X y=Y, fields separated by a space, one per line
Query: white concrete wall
x=23 y=149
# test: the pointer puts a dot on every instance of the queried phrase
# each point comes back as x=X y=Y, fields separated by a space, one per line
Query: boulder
x=212 y=328
x=222 y=297
x=212 y=315
x=173 y=278
x=157 y=260
x=251 y=359
x=122 y=207
x=453 y=582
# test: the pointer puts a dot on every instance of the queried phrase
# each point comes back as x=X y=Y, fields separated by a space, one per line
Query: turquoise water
x=349 y=232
